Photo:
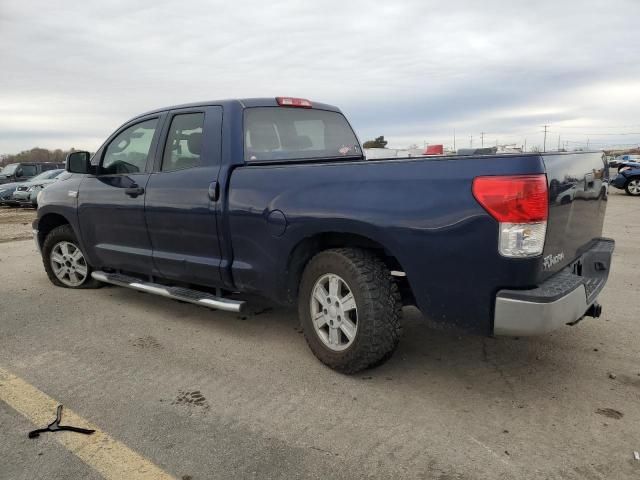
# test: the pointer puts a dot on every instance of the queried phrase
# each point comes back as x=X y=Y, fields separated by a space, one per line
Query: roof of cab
x=243 y=102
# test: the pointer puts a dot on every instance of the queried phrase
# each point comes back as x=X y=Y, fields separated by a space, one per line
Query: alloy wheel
x=334 y=312
x=68 y=263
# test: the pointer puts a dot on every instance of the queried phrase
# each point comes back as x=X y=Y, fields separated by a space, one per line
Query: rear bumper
x=562 y=299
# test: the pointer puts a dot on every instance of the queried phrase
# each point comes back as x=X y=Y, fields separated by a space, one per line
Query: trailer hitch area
x=594 y=311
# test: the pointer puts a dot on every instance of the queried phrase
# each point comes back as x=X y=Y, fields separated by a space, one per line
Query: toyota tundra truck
x=213 y=203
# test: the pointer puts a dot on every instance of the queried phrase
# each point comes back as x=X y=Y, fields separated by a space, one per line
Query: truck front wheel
x=64 y=262
x=350 y=309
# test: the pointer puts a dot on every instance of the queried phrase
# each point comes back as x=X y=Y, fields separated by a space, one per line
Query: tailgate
x=578 y=185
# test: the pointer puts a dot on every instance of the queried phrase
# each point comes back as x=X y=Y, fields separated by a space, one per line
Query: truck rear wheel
x=64 y=261
x=350 y=309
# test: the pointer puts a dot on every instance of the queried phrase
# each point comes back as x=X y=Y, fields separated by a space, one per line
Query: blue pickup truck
x=206 y=202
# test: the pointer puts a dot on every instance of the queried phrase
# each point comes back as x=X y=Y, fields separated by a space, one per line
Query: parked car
x=628 y=179
x=618 y=162
x=632 y=164
x=21 y=172
x=6 y=193
x=26 y=193
x=274 y=197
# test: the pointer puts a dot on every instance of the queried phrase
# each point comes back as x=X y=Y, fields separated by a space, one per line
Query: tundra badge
x=551 y=260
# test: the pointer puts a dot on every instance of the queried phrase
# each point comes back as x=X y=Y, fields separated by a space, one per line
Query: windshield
x=277 y=133
x=9 y=169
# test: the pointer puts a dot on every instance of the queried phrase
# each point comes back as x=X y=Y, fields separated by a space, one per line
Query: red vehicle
x=434 y=150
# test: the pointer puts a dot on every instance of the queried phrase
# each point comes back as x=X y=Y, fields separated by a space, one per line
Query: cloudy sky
x=71 y=72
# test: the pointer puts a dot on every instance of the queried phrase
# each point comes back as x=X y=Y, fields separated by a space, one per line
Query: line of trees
x=379 y=142
x=36 y=155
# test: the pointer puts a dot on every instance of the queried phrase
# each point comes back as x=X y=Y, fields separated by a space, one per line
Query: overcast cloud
x=71 y=72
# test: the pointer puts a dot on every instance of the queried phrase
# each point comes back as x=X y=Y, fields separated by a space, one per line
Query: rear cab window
x=285 y=133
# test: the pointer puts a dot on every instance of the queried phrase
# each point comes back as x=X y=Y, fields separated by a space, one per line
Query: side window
x=184 y=142
x=128 y=152
x=29 y=170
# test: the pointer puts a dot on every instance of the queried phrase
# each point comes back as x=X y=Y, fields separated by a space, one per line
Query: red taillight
x=513 y=199
x=293 y=102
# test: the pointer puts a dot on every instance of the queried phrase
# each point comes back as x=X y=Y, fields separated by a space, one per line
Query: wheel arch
x=309 y=246
x=48 y=222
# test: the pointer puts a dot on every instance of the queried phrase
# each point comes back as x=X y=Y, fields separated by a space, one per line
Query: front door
x=111 y=203
x=181 y=197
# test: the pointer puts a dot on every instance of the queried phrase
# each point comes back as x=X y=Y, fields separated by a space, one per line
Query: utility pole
x=525 y=144
x=544 y=147
x=471 y=141
x=454 y=139
x=587 y=144
x=482 y=139
x=558 y=142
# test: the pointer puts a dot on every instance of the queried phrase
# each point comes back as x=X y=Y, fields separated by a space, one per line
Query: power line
x=613 y=134
x=597 y=126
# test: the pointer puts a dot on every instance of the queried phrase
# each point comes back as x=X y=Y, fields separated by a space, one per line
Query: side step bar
x=177 y=293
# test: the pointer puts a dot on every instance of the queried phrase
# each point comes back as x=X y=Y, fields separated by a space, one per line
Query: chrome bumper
x=560 y=300
x=35 y=239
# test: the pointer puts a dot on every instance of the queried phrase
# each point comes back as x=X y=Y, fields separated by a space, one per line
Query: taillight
x=293 y=102
x=520 y=204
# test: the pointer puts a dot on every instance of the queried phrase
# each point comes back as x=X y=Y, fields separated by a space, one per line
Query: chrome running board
x=196 y=297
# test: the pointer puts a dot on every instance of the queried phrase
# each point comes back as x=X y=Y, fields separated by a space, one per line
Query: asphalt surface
x=205 y=394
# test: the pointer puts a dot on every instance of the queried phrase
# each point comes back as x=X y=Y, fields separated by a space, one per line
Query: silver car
x=27 y=192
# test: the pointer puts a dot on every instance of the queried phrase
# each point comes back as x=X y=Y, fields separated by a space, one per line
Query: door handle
x=214 y=191
x=134 y=190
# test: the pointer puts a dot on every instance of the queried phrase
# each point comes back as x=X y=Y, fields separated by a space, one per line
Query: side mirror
x=79 y=162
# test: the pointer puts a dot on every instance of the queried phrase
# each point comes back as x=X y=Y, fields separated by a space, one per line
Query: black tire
x=378 y=303
x=634 y=193
x=64 y=233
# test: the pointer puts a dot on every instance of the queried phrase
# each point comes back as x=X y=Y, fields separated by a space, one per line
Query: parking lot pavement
x=15 y=224
x=201 y=394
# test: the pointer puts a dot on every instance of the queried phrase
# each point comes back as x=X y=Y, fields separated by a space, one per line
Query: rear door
x=111 y=203
x=182 y=195
x=578 y=188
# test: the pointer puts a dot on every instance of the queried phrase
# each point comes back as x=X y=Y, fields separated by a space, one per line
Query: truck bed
x=420 y=210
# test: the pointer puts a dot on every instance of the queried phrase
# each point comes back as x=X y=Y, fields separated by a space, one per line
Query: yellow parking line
x=111 y=458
